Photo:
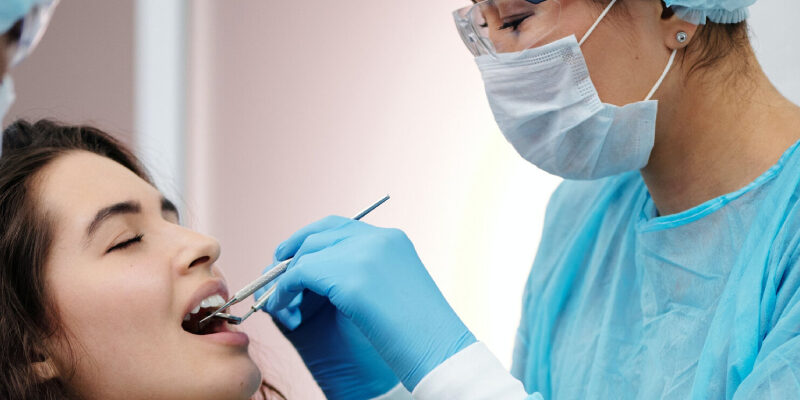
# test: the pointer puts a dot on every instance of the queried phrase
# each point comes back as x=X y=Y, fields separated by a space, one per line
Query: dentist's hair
x=712 y=43
x=28 y=316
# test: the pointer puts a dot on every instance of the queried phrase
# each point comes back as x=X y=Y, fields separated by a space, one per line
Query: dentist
x=668 y=262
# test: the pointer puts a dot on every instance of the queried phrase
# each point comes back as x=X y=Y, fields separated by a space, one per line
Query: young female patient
x=100 y=284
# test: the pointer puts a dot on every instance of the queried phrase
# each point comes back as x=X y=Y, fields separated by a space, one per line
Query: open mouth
x=191 y=322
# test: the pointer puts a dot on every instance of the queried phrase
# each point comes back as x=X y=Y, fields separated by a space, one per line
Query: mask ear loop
x=597 y=22
x=663 y=75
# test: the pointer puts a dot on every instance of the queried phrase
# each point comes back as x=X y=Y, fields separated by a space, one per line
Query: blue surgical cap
x=12 y=11
x=719 y=11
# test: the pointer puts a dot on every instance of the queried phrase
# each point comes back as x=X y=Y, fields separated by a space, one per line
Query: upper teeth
x=212 y=301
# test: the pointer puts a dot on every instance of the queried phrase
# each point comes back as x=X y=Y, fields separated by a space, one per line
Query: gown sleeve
x=776 y=371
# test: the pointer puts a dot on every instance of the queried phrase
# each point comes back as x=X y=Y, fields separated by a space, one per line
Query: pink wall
x=82 y=70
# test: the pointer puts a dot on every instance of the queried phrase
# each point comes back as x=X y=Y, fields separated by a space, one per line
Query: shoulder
x=777 y=223
x=781 y=209
x=784 y=254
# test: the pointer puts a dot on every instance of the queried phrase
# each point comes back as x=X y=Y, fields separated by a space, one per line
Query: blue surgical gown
x=624 y=304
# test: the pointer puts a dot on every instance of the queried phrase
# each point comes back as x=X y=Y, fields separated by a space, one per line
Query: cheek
x=122 y=320
x=107 y=310
x=575 y=19
x=110 y=298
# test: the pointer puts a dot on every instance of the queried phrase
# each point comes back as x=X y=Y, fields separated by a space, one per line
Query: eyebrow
x=122 y=208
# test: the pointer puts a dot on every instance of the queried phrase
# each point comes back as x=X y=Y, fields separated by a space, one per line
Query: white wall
x=160 y=81
x=773 y=25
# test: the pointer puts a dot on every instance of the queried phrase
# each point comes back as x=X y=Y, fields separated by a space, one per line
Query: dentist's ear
x=677 y=33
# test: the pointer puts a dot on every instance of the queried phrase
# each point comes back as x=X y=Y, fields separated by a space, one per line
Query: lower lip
x=238 y=339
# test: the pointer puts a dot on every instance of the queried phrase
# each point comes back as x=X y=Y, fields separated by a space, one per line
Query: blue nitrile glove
x=342 y=361
x=374 y=277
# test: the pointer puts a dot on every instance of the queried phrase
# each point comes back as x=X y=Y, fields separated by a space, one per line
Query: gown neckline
x=649 y=219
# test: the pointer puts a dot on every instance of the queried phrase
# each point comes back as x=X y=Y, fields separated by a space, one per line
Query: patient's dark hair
x=28 y=316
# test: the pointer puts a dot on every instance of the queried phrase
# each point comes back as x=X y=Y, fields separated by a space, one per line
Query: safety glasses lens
x=507 y=26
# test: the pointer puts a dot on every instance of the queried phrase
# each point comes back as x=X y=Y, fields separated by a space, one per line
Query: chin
x=252 y=382
x=235 y=379
x=248 y=381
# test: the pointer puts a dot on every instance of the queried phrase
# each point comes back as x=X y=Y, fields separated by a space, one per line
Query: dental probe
x=266 y=278
x=259 y=304
x=232 y=319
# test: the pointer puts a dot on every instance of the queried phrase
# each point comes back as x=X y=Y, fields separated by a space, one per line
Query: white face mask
x=548 y=108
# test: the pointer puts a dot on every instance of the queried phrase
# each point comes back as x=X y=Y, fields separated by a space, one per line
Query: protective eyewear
x=492 y=27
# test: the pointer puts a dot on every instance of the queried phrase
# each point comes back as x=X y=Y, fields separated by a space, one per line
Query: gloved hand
x=342 y=361
x=374 y=277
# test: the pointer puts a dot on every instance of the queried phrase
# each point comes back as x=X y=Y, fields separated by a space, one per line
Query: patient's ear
x=45 y=370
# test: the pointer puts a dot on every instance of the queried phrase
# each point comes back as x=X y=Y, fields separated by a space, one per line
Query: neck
x=716 y=134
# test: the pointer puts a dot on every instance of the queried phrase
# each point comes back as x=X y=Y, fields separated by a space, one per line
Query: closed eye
x=514 y=22
x=125 y=244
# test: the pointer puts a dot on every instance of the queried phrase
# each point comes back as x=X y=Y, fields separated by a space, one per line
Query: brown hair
x=27 y=316
x=712 y=43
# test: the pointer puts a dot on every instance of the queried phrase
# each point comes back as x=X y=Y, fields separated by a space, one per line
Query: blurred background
x=260 y=117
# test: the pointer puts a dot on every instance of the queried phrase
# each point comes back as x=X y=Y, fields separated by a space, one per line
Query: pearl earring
x=681 y=37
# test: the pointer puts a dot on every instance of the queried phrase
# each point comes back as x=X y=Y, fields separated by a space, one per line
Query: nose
x=197 y=251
